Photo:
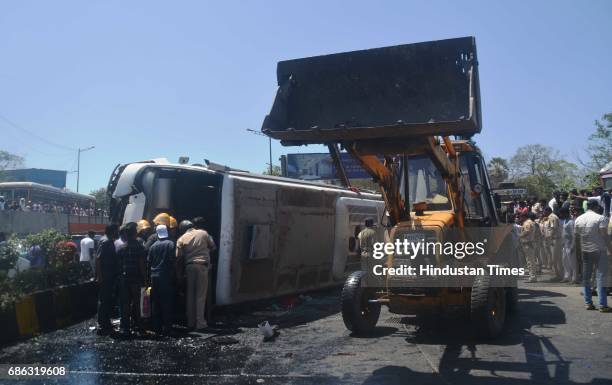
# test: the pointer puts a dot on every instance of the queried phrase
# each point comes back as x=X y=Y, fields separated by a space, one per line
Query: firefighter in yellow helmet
x=172 y=229
x=144 y=230
x=160 y=219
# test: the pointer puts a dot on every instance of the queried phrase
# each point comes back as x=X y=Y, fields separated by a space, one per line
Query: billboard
x=320 y=166
x=510 y=192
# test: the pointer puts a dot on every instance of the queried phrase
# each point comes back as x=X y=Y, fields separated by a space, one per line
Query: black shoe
x=104 y=331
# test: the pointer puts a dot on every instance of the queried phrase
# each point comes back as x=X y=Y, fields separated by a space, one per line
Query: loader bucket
x=407 y=90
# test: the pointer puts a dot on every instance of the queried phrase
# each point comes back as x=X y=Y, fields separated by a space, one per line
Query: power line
x=18 y=127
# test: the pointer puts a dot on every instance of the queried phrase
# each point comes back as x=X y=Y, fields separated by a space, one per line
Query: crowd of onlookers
x=50 y=207
x=570 y=236
x=138 y=261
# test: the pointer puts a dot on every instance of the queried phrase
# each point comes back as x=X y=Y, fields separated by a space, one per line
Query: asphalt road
x=552 y=340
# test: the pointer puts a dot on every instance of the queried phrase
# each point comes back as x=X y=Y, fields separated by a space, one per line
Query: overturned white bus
x=275 y=236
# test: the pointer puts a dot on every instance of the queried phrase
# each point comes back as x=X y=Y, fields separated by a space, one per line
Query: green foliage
x=590 y=180
x=499 y=170
x=599 y=145
x=542 y=170
x=8 y=255
x=276 y=171
x=9 y=161
x=62 y=268
x=48 y=241
x=102 y=198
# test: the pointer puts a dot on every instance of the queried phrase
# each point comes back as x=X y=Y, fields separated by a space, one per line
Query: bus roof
x=128 y=174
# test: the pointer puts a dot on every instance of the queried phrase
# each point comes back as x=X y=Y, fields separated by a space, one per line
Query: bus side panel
x=304 y=239
x=252 y=260
x=283 y=239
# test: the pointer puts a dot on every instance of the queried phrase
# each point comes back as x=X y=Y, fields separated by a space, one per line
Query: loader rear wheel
x=487 y=308
x=359 y=315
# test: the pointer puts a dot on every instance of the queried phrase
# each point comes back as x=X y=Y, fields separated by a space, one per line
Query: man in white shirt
x=554 y=202
x=87 y=252
x=592 y=229
x=569 y=247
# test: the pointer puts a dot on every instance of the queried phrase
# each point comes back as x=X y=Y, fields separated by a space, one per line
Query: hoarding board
x=320 y=166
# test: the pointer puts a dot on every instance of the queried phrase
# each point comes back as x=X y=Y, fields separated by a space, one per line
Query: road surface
x=552 y=340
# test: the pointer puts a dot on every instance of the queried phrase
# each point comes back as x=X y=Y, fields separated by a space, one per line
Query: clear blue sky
x=144 y=79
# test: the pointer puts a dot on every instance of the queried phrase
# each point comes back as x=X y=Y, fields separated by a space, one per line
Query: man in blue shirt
x=161 y=259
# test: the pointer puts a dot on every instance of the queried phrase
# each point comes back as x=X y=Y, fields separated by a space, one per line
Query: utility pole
x=269 y=144
x=80 y=150
x=270 y=147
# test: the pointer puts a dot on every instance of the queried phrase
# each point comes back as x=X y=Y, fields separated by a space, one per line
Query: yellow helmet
x=162 y=219
x=172 y=224
x=142 y=224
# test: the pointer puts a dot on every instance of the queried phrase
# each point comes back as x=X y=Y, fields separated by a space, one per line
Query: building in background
x=55 y=178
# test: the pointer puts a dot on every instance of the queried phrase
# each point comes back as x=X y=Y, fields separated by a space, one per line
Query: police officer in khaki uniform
x=554 y=242
x=367 y=238
x=527 y=238
x=193 y=251
x=538 y=242
x=542 y=244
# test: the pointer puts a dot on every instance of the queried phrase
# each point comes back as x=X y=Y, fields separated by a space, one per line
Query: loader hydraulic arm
x=385 y=175
x=444 y=157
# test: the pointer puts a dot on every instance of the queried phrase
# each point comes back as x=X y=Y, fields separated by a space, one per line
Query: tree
x=276 y=171
x=498 y=170
x=533 y=160
x=9 y=161
x=102 y=198
x=542 y=170
x=599 y=145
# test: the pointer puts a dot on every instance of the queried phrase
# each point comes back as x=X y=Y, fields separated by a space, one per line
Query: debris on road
x=268 y=331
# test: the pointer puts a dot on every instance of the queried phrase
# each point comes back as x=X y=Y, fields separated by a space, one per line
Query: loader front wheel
x=487 y=308
x=359 y=315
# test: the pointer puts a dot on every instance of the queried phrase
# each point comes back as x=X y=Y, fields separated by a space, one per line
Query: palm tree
x=498 y=170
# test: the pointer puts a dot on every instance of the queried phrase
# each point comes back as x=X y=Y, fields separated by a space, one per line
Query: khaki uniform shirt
x=528 y=233
x=194 y=246
x=553 y=227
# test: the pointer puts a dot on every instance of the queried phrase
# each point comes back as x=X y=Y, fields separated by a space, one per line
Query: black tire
x=487 y=308
x=512 y=300
x=358 y=314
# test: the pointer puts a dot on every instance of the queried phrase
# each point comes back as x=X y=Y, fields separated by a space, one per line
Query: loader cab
x=426 y=184
x=479 y=203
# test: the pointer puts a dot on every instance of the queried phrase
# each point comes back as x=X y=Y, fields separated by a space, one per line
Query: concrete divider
x=48 y=310
x=27 y=222
x=22 y=223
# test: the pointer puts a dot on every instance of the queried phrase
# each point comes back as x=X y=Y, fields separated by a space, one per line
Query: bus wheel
x=487 y=308
x=358 y=314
